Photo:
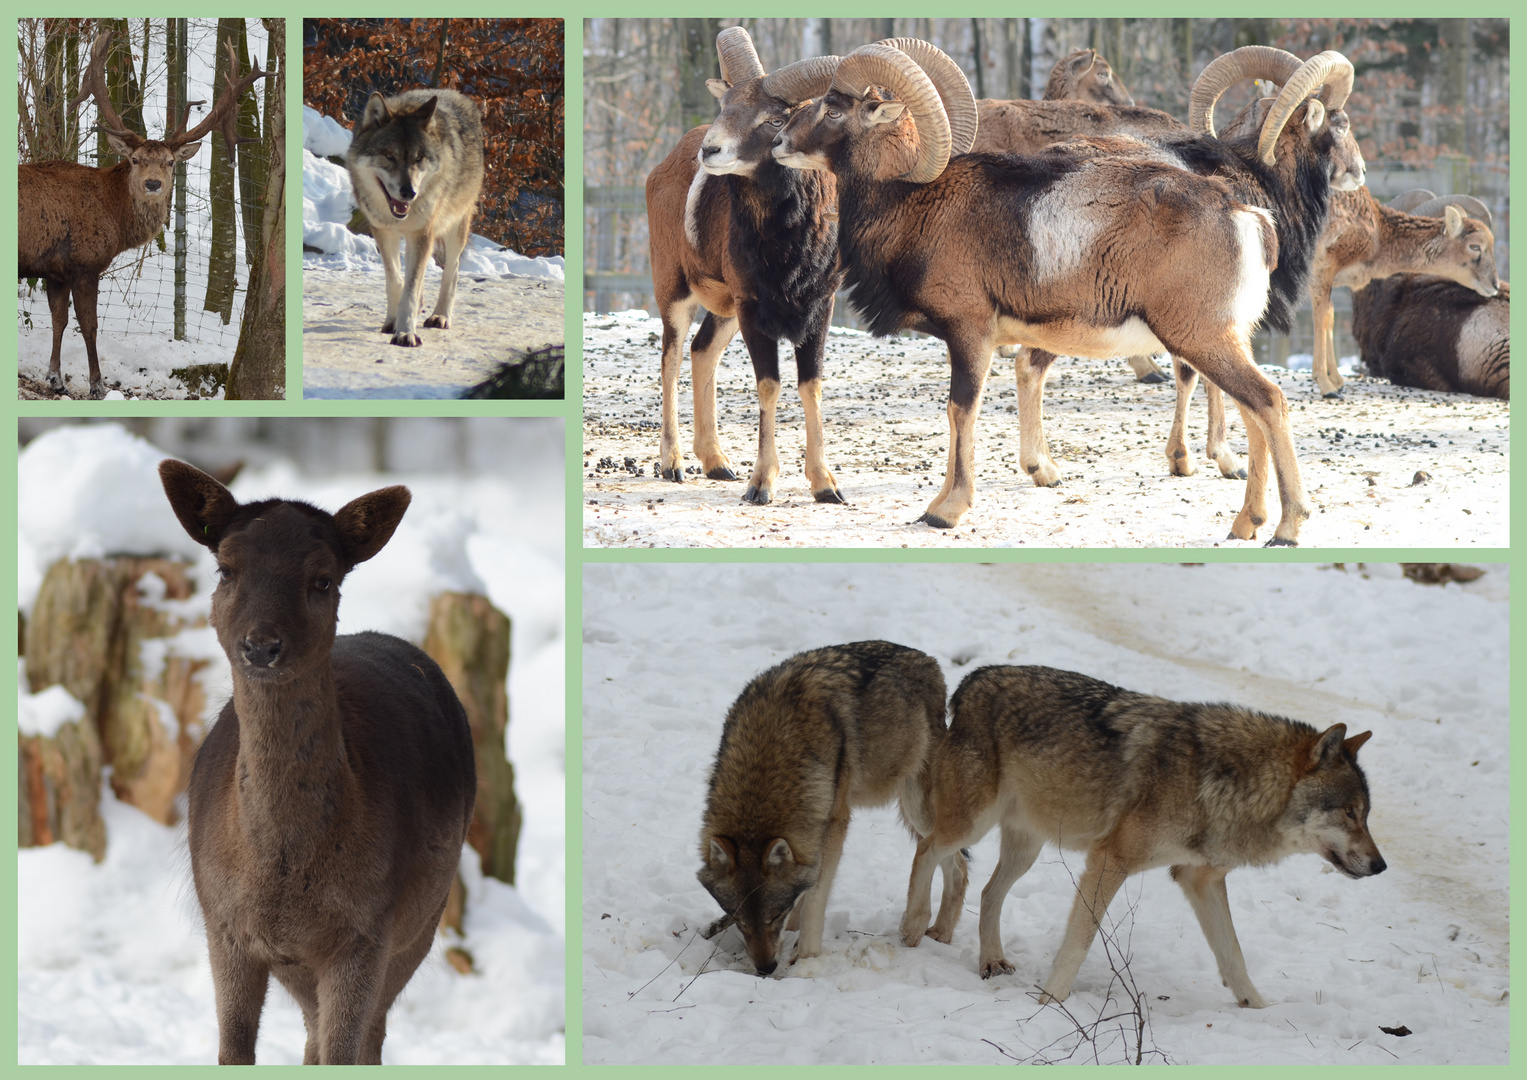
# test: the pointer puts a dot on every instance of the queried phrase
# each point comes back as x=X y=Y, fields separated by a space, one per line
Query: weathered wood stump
x=469 y=638
x=99 y=630
x=60 y=789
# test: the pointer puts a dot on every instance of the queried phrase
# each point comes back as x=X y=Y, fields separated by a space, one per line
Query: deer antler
x=225 y=113
x=93 y=84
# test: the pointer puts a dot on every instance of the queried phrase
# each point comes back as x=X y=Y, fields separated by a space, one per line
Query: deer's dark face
x=152 y=164
x=277 y=598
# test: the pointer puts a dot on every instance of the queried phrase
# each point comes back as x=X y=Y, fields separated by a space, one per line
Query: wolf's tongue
x=399 y=209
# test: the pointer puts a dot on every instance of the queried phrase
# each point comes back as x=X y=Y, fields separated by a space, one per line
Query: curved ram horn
x=1407 y=201
x=952 y=85
x=1223 y=72
x=1329 y=69
x=1471 y=206
x=739 y=60
x=881 y=65
x=801 y=80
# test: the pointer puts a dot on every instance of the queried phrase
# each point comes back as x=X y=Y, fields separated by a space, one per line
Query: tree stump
x=94 y=622
x=60 y=789
x=469 y=638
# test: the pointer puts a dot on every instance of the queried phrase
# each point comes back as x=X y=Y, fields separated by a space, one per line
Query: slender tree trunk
x=258 y=371
x=222 y=279
x=1453 y=92
x=697 y=62
x=252 y=159
x=975 y=52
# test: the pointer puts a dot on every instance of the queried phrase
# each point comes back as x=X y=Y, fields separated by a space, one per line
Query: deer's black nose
x=151 y=185
x=262 y=653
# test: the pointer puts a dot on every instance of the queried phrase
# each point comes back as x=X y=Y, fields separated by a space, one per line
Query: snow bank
x=328 y=203
x=90 y=490
x=44 y=713
x=1425 y=944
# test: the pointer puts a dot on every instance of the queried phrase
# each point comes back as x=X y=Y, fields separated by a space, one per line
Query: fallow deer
x=330 y=801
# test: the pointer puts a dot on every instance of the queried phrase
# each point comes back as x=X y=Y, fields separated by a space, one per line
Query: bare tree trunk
x=1453 y=92
x=221 y=278
x=975 y=53
x=252 y=159
x=258 y=371
x=697 y=63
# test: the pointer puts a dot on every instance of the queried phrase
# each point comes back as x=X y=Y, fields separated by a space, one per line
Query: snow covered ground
x=887 y=441
x=506 y=302
x=112 y=960
x=135 y=311
x=1425 y=945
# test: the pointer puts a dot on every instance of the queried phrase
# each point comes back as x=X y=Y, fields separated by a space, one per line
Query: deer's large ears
x=367 y=523
x=203 y=506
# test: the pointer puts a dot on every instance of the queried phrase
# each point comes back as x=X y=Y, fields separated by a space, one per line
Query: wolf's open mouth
x=399 y=207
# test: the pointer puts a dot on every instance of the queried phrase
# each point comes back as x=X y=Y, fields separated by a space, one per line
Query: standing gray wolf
x=416 y=166
x=1135 y=781
x=825 y=731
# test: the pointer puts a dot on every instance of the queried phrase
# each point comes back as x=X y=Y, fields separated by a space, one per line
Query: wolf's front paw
x=437 y=322
x=998 y=966
x=407 y=340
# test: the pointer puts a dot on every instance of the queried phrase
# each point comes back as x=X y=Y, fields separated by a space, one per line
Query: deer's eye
x=322 y=584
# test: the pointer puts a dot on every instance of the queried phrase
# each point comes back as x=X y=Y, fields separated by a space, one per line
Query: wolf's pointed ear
x=723 y=853
x=1351 y=745
x=779 y=853
x=376 y=111
x=1327 y=747
x=203 y=506
x=425 y=112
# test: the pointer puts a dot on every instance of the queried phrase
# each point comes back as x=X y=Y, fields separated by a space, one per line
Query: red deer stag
x=74 y=220
x=330 y=801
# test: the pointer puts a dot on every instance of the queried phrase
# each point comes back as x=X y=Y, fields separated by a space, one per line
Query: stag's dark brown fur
x=330 y=802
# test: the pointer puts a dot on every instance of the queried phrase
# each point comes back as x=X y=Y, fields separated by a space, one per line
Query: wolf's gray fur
x=416 y=164
x=1135 y=781
x=827 y=730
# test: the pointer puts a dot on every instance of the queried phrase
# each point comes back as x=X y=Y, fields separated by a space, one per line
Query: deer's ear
x=367 y=523
x=203 y=505
x=187 y=152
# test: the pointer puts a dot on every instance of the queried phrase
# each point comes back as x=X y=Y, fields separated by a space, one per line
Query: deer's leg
x=238 y=982
x=455 y=242
x=301 y=983
x=421 y=246
x=389 y=243
x=85 y=290
x=58 y=309
x=349 y=990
